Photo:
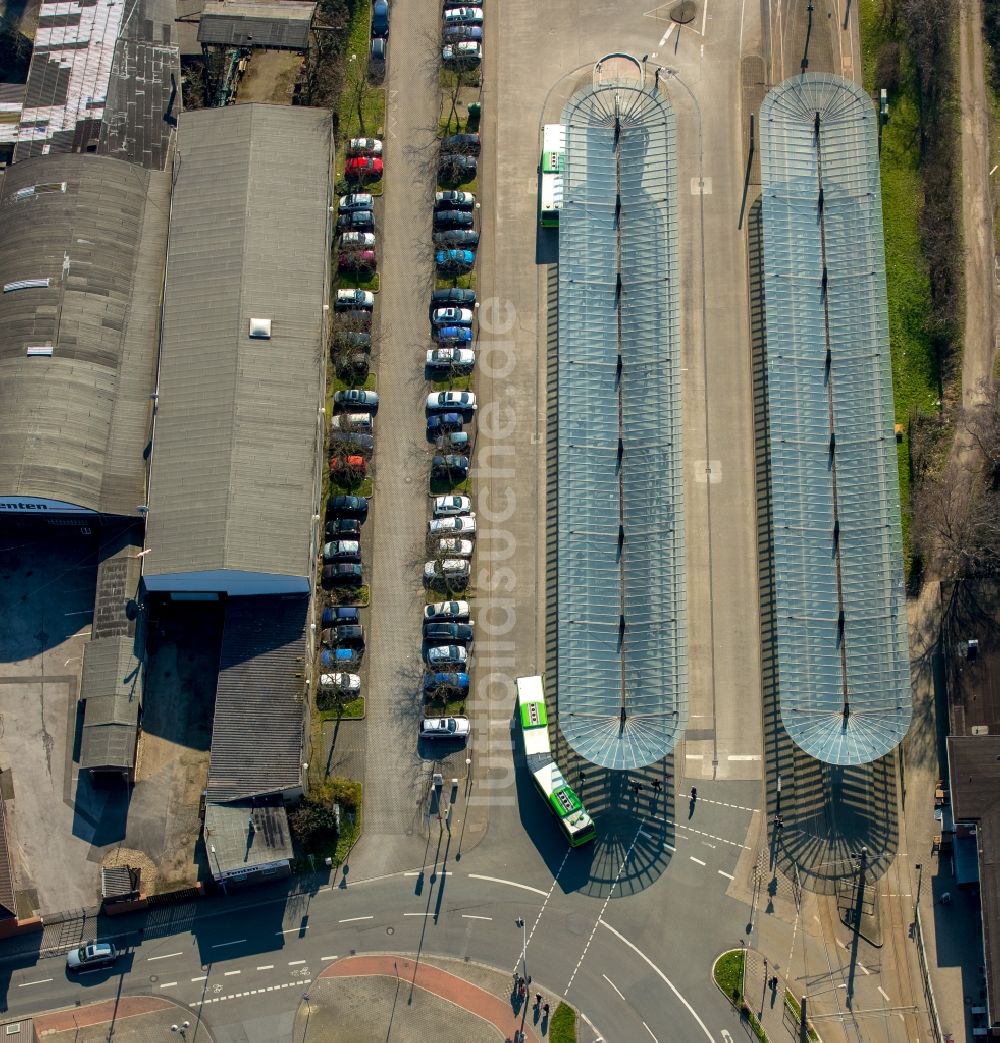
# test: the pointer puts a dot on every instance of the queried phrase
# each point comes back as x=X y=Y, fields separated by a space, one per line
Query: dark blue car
x=339 y=658
x=456 y=682
x=453 y=334
x=334 y=617
x=443 y=423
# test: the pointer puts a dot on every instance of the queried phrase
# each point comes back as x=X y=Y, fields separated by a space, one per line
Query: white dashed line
x=165 y=956
x=666 y=35
x=472 y=916
x=883 y=994
x=292 y=930
x=295 y=963
x=698 y=860
x=670 y=847
x=328 y=957
x=222 y=945
x=266 y=967
x=614 y=986
x=509 y=883
x=40 y=981
x=861 y=967
x=201 y=977
x=168 y=984
x=707 y=844
x=229 y=974
x=728 y=876
x=418 y=914
x=423 y=872
x=650 y=1031
x=744 y=757
x=354 y=919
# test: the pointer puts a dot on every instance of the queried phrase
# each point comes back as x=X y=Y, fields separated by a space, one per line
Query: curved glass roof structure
x=841 y=638
x=622 y=668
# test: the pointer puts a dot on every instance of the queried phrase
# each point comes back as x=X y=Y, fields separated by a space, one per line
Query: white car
x=364 y=147
x=451 y=316
x=446 y=655
x=353 y=422
x=452 y=200
x=463 y=51
x=463 y=16
x=464 y=525
x=446 y=506
x=449 y=568
x=356 y=201
x=446 y=612
x=459 y=401
x=451 y=357
x=454 y=547
x=445 y=728
x=340 y=682
x=358 y=240
x=341 y=549
x=355 y=299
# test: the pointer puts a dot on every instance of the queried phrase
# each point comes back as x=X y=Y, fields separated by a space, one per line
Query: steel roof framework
x=622 y=667
x=841 y=638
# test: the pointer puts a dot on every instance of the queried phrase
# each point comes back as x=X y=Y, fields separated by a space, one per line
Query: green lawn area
x=915 y=375
x=350 y=711
x=796 y=1011
x=563 y=1026
x=458 y=382
x=345 y=280
x=373 y=102
x=464 y=282
x=728 y=974
x=452 y=708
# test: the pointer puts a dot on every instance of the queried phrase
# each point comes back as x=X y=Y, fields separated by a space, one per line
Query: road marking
x=707 y=844
x=201 y=977
x=295 y=963
x=650 y=1031
x=723 y=804
x=884 y=994
x=666 y=35
x=695 y=756
x=728 y=876
x=418 y=914
x=670 y=985
x=670 y=847
x=222 y=945
x=266 y=967
x=165 y=956
x=329 y=957
x=509 y=883
x=292 y=930
x=711 y=836
x=649 y=836
x=698 y=860
x=40 y=981
x=423 y=872
x=861 y=967
x=354 y=919
x=229 y=974
x=744 y=757
x=472 y=916
x=167 y=984
x=614 y=986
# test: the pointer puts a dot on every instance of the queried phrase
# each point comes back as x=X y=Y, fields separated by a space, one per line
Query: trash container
x=472 y=123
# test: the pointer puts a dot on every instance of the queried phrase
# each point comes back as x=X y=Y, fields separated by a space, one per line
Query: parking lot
x=47 y=583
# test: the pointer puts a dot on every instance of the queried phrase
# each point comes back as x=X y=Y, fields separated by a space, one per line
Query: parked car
x=452 y=573
x=454 y=200
x=357 y=319
x=446 y=655
x=347 y=299
x=454 y=262
x=340 y=659
x=352 y=634
x=358 y=241
x=349 y=422
x=454 y=219
x=451 y=358
x=445 y=728
x=452 y=335
x=342 y=529
x=460 y=401
x=454 y=32
x=358 y=260
x=452 y=316
x=380 y=18
x=457 y=237
x=446 y=506
x=458 y=526
x=349 y=464
x=91 y=957
x=363 y=168
x=337 y=615
x=351 y=339
x=453 y=547
x=377 y=55
x=356 y=442
x=357 y=221
x=463 y=16
x=347 y=683
x=452 y=467
x=454 y=442
x=446 y=610
x=442 y=423
x=466 y=144
x=356 y=398
x=347 y=507
x=343 y=575
x=355 y=201
x=342 y=550
x=446 y=681
x=364 y=147
x=453 y=633
x=453 y=296
x=466 y=54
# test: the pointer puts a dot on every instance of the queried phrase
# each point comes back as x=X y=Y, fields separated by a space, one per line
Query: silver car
x=445 y=728
x=91 y=957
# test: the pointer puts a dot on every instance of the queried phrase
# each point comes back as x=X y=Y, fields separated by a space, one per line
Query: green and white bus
x=551 y=188
x=574 y=822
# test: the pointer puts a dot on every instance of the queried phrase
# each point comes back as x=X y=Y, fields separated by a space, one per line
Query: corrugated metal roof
x=841 y=645
x=73 y=425
x=622 y=648
x=234 y=474
x=259 y=700
x=282 y=25
x=111 y=685
x=8 y=899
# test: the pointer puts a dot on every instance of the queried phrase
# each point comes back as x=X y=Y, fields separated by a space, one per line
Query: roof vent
x=39 y=351
x=260 y=329
x=26 y=284
x=980 y=729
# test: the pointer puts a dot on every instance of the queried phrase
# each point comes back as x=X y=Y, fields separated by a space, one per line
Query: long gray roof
x=256 y=24
x=73 y=425
x=111 y=685
x=622 y=649
x=841 y=637
x=259 y=707
x=236 y=441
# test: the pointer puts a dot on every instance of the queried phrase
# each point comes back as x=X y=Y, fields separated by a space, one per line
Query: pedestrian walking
x=538 y=999
x=657 y=784
x=545 y=1011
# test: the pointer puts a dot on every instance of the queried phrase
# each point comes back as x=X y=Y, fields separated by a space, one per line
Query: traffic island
x=729 y=975
x=131 y=1019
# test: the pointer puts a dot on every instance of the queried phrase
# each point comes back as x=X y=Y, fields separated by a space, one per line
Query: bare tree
x=358 y=88
x=982 y=421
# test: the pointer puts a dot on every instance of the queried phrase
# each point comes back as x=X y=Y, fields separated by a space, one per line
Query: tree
x=358 y=88
x=982 y=421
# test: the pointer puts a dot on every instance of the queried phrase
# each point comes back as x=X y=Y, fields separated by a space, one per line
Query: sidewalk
x=135 y=1019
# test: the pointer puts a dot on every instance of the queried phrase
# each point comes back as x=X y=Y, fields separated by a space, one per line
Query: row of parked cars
x=461 y=35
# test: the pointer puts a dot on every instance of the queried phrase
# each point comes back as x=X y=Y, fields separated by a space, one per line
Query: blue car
x=455 y=260
x=442 y=423
x=335 y=617
x=456 y=682
x=339 y=658
x=453 y=334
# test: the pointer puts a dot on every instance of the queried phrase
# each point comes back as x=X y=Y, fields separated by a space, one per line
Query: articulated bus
x=574 y=822
x=551 y=189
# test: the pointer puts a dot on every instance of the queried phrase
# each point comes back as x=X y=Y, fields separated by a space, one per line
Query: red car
x=353 y=464
x=363 y=168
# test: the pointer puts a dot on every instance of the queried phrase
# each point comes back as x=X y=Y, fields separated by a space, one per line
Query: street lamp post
x=222 y=879
x=524 y=947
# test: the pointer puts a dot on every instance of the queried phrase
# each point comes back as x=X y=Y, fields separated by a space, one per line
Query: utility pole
x=524 y=947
